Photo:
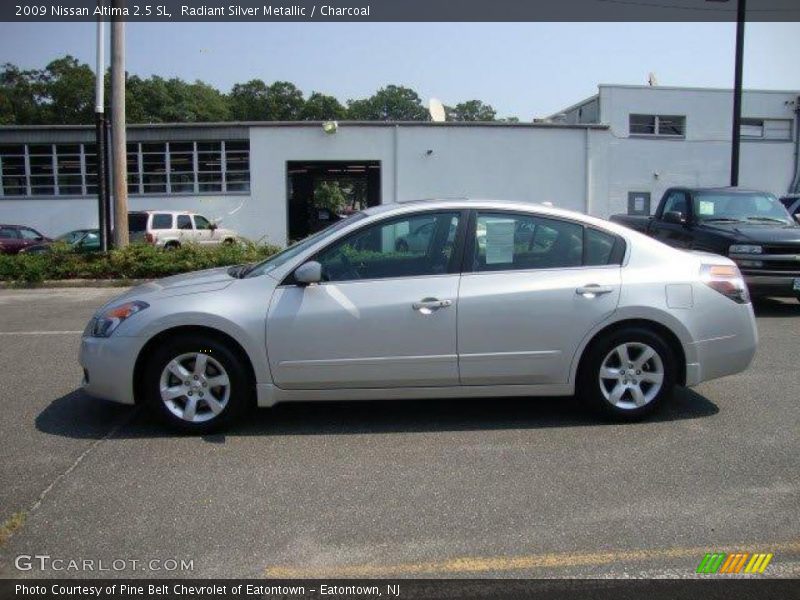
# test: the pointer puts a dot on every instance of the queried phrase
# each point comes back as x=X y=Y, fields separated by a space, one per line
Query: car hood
x=197 y=282
x=762 y=233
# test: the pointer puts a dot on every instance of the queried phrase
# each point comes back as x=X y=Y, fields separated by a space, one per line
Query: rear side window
x=9 y=232
x=184 y=222
x=508 y=241
x=137 y=222
x=601 y=248
x=162 y=221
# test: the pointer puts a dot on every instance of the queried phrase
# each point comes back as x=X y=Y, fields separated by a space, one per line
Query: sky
x=522 y=69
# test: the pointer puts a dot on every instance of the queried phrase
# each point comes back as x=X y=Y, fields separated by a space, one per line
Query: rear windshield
x=137 y=222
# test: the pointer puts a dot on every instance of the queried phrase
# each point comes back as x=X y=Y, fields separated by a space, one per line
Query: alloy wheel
x=631 y=375
x=195 y=387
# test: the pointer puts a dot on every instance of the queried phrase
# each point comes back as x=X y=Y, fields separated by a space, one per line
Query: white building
x=625 y=142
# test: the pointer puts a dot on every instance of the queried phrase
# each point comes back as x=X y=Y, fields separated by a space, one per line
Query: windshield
x=276 y=260
x=71 y=237
x=754 y=208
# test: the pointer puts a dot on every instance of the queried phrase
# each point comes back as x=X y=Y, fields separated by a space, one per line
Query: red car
x=14 y=238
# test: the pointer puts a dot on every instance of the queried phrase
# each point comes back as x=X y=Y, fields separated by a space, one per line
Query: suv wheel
x=172 y=245
x=628 y=374
x=196 y=384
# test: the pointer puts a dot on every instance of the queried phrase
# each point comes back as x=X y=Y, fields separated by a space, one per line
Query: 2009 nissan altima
x=501 y=299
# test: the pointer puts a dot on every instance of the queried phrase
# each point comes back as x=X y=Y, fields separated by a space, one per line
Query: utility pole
x=118 y=134
x=737 y=92
x=100 y=138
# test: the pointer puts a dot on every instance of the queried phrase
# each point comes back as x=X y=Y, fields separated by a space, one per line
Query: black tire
x=589 y=384
x=240 y=393
x=228 y=241
x=172 y=245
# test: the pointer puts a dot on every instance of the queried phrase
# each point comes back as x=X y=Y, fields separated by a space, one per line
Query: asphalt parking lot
x=457 y=488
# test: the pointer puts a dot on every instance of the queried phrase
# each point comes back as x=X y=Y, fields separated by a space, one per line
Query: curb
x=71 y=283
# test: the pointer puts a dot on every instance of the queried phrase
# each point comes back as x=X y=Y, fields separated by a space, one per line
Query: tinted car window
x=599 y=247
x=373 y=252
x=9 y=232
x=29 y=234
x=162 y=221
x=184 y=222
x=201 y=222
x=508 y=241
x=677 y=203
x=137 y=222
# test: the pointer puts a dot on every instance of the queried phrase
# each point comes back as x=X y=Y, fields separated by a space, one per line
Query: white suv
x=170 y=229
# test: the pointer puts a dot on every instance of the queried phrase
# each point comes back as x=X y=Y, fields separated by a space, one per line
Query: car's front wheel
x=628 y=374
x=196 y=384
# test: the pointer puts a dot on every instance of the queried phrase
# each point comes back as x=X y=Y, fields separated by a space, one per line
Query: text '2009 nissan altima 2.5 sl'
x=502 y=299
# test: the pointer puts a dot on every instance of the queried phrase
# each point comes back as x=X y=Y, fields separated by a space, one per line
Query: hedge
x=137 y=261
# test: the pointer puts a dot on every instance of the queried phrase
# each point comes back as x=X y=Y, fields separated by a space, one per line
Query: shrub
x=137 y=261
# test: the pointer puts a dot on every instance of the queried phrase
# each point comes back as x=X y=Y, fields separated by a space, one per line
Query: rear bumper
x=724 y=355
x=772 y=285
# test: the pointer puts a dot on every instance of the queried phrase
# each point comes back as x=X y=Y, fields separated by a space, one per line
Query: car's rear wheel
x=196 y=384
x=628 y=373
x=172 y=245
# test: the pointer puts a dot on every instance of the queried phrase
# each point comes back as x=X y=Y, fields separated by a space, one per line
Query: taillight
x=150 y=238
x=727 y=280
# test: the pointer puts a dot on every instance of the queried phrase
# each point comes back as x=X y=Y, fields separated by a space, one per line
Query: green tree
x=329 y=196
x=284 y=102
x=248 y=101
x=19 y=102
x=66 y=89
x=473 y=110
x=392 y=103
x=321 y=107
x=158 y=100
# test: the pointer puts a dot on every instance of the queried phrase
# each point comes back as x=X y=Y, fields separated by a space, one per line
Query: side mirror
x=674 y=216
x=212 y=226
x=308 y=273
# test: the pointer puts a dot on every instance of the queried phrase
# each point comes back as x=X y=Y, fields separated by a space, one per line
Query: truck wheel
x=627 y=374
x=172 y=245
x=196 y=384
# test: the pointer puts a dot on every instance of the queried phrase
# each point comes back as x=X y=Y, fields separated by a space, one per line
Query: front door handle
x=427 y=305
x=593 y=290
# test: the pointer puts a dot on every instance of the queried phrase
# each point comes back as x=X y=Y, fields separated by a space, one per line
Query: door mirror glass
x=307 y=273
x=674 y=216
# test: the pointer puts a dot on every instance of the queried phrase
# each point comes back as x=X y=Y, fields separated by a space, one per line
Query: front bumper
x=779 y=285
x=108 y=367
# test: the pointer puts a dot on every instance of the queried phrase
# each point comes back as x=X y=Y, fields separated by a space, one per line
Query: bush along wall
x=137 y=261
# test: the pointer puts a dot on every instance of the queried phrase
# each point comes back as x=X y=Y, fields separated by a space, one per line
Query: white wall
x=702 y=158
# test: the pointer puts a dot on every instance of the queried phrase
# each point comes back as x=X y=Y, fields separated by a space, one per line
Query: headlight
x=745 y=249
x=104 y=325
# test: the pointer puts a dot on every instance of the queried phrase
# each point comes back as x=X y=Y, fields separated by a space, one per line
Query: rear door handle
x=427 y=305
x=593 y=290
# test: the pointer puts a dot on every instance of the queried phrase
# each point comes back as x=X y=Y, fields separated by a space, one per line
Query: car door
x=532 y=288
x=185 y=227
x=381 y=317
x=10 y=240
x=30 y=237
x=204 y=233
x=675 y=234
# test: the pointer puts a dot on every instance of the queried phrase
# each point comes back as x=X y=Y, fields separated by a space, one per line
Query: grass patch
x=13 y=523
x=137 y=261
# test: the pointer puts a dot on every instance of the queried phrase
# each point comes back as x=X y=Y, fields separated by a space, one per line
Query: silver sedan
x=523 y=300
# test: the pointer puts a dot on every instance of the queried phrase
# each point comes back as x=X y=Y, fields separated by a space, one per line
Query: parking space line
x=463 y=565
x=40 y=332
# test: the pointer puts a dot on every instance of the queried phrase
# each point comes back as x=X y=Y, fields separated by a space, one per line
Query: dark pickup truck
x=752 y=228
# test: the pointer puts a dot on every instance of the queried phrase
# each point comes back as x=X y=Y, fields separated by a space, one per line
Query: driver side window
x=410 y=246
x=677 y=203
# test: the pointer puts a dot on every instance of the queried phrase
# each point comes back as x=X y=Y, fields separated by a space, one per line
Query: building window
x=159 y=168
x=766 y=129
x=657 y=125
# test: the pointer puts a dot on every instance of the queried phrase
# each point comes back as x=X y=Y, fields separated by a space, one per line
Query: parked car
x=792 y=204
x=81 y=240
x=598 y=309
x=14 y=238
x=752 y=228
x=170 y=229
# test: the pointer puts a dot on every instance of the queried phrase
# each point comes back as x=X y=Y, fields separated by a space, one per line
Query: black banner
x=550 y=589
x=400 y=10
